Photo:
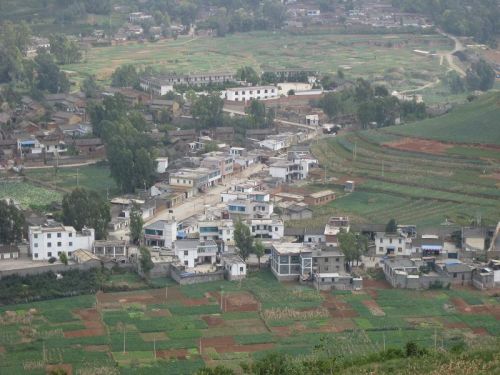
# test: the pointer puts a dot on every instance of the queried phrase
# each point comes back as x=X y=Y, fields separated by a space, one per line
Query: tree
x=63 y=258
x=480 y=76
x=49 y=76
x=259 y=250
x=145 y=260
x=348 y=245
x=85 y=208
x=136 y=223
x=64 y=50
x=208 y=109
x=275 y=13
x=391 y=227
x=90 y=87
x=98 y=6
x=247 y=74
x=257 y=112
x=218 y=370
x=243 y=239
x=11 y=223
x=455 y=82
x=125 y=76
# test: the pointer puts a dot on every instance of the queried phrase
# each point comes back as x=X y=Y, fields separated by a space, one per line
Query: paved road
x=449 y=55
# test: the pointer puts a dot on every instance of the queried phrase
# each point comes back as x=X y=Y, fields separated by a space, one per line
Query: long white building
x=52 y=240
x=243 y=94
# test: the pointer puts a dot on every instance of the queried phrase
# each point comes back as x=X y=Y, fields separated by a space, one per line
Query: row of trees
x=480 y=76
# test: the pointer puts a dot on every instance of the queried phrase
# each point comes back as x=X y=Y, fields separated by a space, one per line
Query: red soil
x=68 y=369
x=238 y=302
x=226 y=344
x=337 y=308
x=92 y=322
x=419 y=145
x=376 y=284
x=173 y=353
x=213 y=321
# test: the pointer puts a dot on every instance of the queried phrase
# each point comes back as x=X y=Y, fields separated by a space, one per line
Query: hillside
x=475 y=122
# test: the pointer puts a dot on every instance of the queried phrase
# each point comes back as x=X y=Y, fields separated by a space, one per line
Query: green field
x=29 y=195
x=93 y=177
x=360 y=55
x=415 y=188
x=476 y=122
x=189 y=329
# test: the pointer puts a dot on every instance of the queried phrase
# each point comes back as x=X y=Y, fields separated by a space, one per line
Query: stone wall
x=194 y=278
x=50 y=268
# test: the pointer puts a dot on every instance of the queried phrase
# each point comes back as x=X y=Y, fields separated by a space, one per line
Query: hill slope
x=475 y=122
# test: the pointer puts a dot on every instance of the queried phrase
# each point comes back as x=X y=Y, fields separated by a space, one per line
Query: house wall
x=44 y=245
x=383 y=244
x=190 y=278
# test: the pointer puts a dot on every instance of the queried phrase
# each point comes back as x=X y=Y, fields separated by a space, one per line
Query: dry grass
x=291 y=314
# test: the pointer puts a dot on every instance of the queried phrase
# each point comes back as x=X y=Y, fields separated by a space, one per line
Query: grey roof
x=160 y=224
x=186 y=244
x=457 y=267
x=4 y=249
x=304 y=231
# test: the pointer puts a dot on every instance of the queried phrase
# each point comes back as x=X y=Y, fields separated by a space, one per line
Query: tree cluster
x=125 y=76
x=84 y=208
x=208 y=110
x=245 y=242
x=353 y=246
x=477 y=18
x=129 y=149
x=479 y=76
x=371 y=104
x=11 y=223
x=64 y=50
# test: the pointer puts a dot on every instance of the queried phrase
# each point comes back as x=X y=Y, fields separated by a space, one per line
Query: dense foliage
x=129 y=150
x=20 y=289
x=11 y=223
x=208 y=110
x=84 y=208
x=136 y=223
x=477 y=18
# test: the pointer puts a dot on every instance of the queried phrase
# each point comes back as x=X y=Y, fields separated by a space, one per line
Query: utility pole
x=382 y=168
x=154 y=345
x=435 y=339
x=77 y=180
x=166 y=293
x=383 y=336
x=124 y=330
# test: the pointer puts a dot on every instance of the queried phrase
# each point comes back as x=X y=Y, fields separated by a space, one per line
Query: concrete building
x=224 y=163
x=234 y=266
x=116 y=250
x=392 y=244
x=333 y=227
x=162 y=84
x=243 y=94
x=161 y=165
x=272 y=228
x=196 y=178
x=53 y=239
x=161 y=233
x=319 y=198
x=194 y=252
x=9 y=252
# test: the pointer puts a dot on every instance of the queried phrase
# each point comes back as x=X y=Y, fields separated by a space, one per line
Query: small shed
x=349 y=186
x=9 y=252
x=235 y=267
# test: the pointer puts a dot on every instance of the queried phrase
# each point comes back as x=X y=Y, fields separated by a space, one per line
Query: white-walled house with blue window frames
x=161 y=233
x=50 y=241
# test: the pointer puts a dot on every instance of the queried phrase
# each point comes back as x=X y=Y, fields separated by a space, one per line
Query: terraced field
x=152 y=332
x=424 y=188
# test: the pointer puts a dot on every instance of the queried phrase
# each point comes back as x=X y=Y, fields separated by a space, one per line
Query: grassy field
x=476 y=122
x=425 y=189
x=29 y=195
x=361 y=55
x=191 y=327
x=93 y=177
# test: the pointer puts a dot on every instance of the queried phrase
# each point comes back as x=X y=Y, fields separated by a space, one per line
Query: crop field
x=379 y=57
x=93 y=177
x=415 y=180
x=180 y=329
x=29 y=195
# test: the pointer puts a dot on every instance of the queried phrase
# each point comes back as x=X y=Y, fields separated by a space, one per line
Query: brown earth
x=152 y=336
x=149 y=297
x=158 y=313
x=2 y=349
x=337 y=308
x=374 y=308
x=419 y=145
x=480 y=331
x=226 y=344
x=91 y=320
x=172 y=353
x=213 y=321
x=68 y=369
x=97 y=348
x=376 y=284
x=238 y=302
x=283 y=331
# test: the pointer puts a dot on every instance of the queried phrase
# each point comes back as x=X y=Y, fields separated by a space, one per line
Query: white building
x=155 y=85
x=297 y=169
x=267 y=228
x=162 y=233
x=235 y=267
x=52 y=240
x=222 y=229
x=243 y=94
x=161 y=165
x=392 y=243
x=194 y=252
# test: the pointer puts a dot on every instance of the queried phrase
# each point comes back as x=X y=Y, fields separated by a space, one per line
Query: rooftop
x=284 y=248
x=321 y=194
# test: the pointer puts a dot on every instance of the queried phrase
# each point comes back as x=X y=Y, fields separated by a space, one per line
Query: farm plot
x=29 y=195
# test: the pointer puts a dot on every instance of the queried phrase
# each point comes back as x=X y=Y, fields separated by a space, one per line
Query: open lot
x=184 y=328
x=29 y=195
x=378 y=57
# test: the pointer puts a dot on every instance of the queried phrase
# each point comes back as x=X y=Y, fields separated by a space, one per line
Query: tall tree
x=145 y=260
x=392 y=226
x=348 y=245
x=49 y=75
x=136 y=223
x=247 y=74
x=11 y=223
x=259 y=250
x=85 y=208
x=208 y=109
x=65 y=51
x=243 y=239
x=125 y=76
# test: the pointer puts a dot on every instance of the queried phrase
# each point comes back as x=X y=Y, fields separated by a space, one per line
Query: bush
x=52 y=260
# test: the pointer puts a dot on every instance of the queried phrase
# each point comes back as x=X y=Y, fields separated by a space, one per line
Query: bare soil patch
x=2 y=349
x=337 y=308
x=173 y=353
x=152 y=336
x=238 y=302
x=419 y=145
x=158 y=313
x=480 y=331
x=373 y=307
x=283 y=331
x=68 y=369
x=91 y=320
x=226 y=344
x=96 y=348
x=376 y=284
x=213 y=321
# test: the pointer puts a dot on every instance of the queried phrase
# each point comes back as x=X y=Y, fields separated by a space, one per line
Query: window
x=71 y=234
x=49 y=254
x=69 y=252
x=185 y=262
x=400 y=240
x=326 y=260
x=275 y=229
x=241 y=269
x=381 y=249
x=35 y=236
x=326 y=268
x=336 y=259
x=49 y=235
x=36 y=245
x=59 y=244
x=58 y=235
x=454 y=275
x=400 y=250
x=59 y=253
x=35 y=255
x=70 y=244
x=49 y=244
x=381 y=240
x=390 y=240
